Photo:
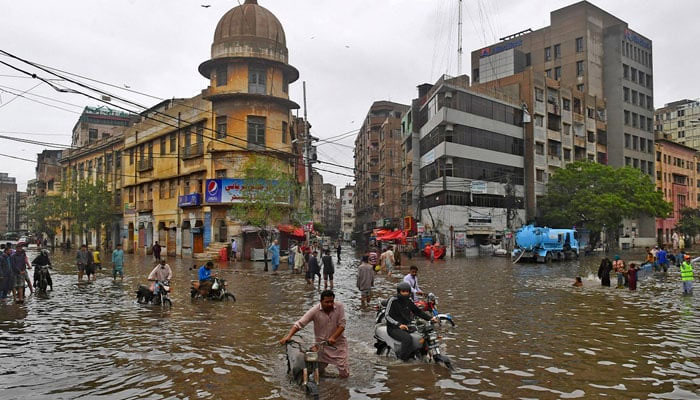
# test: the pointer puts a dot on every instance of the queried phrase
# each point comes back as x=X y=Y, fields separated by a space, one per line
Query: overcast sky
x=350 y=53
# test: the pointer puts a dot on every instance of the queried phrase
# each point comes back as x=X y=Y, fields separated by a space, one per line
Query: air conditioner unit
x=449 y=128
x=448 y=95
x=448 y=160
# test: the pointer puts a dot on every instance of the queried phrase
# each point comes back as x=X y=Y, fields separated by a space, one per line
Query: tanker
x=542 y=244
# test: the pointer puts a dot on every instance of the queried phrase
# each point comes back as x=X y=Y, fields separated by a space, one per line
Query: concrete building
x=679 y=121
x=677 y=176
x=378 y=180
x=98 y=140
x=317 y=197
x=347 y=210
x=470 y=159
x=17 y=212
x=600 y=57
x=331 y=210
x=181 y=174
x=8 y=187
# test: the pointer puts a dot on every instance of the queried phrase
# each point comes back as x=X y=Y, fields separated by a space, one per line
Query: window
x=285 y=84
x=256 y=133
x=539 y=120
x=131 y=156
x=650 y=126
x=539 y=175
x=635 y=120
x=557 y=51
x=163 y=190
x=634 y=97
x=626 y=94
x=580 y=87
x=162 y=145
x=566 y=129
x=628 y=161
x=650 y=104
x=635 y=163
x=173 y=143
x=579 y=45
x=567 y=154
x=221 y=127
x=641 y=78
x=642 y=145
x=221 y=76
x=118 y=160
x=547 y=53
x=634 y=74
x=172 y=187
x=658 y=156
x=649 y=83
x=628 y=138
x=681 y=124
x=641 y=100
x=548 y=73
x=642 y=123
x=539 y=94
x=579 y=68
x=539 y=148
x=284 y=132
x=220 y=173
x=590 y=112
x=681 y=113
x=557 y=73
x=577 y=105
x=257 y=80
x=566 y=104
x=528 y=59
x=635 y=143
x=625 y=71
x=627 y=117
x=92 y=135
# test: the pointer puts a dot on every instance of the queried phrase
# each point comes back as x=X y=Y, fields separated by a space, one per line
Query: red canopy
x=395 y=235
x=292 y=230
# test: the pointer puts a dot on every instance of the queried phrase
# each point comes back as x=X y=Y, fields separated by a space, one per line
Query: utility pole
x=307 y=163
x=459 y=41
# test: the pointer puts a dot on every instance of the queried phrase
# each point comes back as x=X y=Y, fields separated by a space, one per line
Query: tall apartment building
x=378 y=182
x=347 y=212
x=678 y=177
x=331 y=210
x=597 y=55
x=8 y=187
x=470 y=160
x=679 y=121
x=17 y=212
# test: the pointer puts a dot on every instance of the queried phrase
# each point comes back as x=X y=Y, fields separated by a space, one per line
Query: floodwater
x=522 y=332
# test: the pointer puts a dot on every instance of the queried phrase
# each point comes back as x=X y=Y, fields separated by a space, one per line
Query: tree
x=46 y=213
x=266 y=197
x=89 y=206
x=599 y=197
x=689 y=222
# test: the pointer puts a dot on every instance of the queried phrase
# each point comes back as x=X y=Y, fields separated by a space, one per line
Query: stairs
x=211 y=252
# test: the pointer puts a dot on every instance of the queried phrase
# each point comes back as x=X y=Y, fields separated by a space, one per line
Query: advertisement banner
x=207 y=229
x=229 y=190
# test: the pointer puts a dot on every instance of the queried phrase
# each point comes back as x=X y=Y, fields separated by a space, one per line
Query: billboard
x=231 y=190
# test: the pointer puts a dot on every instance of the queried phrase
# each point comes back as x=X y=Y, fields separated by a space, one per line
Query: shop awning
x=292 y=230
x=389 y=236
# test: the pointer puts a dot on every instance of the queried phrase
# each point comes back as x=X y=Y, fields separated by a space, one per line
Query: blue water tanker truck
x=539 y=244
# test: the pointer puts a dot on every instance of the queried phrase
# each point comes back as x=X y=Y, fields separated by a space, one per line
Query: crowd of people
x=657 y=259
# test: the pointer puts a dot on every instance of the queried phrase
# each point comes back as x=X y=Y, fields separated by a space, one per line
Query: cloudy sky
x=350 y=53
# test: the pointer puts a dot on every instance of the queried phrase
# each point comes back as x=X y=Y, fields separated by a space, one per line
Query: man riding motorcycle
x=161 y=273
x=399 y=314
x=205 y=279
x=41 y=260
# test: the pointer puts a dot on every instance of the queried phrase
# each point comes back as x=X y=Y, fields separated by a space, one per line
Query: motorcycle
x=429 y=305
x=145 y=296
x=426 y=341
x=217 y=292
x=303 y=366
x=42 y=278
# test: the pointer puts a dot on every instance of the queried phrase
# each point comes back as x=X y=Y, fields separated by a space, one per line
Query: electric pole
x=459 y=41
x=307 y=163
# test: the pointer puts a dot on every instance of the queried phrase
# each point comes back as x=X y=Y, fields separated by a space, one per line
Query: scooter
x=429 y=305
x=217 y=292
x=145 y=296
x=426 y=341
x=303 y=366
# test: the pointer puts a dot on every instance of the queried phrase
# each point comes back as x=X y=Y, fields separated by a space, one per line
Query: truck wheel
x=548 y=258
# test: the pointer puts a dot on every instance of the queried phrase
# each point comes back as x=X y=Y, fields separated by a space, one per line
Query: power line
x=18 y=95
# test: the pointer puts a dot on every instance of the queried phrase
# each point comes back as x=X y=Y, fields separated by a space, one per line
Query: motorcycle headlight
x=311 y=356
x=433 y=336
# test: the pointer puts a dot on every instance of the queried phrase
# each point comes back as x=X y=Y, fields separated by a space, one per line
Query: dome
x=249 y=30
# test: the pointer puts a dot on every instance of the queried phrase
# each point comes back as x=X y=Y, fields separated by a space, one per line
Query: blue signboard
x=228 y=190
x=189 y=200
x=489 y=51
x=207 y=229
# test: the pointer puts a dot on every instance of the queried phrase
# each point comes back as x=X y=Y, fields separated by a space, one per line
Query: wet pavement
x=522 y=332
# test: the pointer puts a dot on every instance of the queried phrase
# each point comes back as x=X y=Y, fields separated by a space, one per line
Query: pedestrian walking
x=662 y=259
x=619 y=267
x=687 y=275
x=118 y=263
x=388 y=260
x=83 y=259
x=328 y=269
x=6 y=276
x=432 y=254
x=19 y=265
x=373 y=258
x=234 y=249
x=313 y=269
x=632 y=277
x=274 y=251
x=156 y=251
x=365 y=280
x=96 y=259
x=604 y=271
x=337 y=250
x=298 y=259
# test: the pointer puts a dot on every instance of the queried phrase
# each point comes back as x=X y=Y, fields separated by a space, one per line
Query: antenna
x=459 y=41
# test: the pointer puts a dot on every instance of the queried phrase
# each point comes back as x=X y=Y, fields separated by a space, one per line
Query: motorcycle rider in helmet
x=400 y=310
x=41 y=260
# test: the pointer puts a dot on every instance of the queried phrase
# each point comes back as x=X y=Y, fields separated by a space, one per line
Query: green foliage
x=45 y=215
x=90 y=206
x=689 y=222
x=599 y=197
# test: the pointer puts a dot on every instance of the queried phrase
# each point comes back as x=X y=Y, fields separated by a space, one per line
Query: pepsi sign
x=213 y=193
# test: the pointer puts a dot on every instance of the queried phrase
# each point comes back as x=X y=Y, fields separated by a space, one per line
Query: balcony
x=192 y=151
x=145 y=164
x=145 y=206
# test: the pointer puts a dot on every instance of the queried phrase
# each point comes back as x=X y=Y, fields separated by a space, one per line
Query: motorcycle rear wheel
x=166 y=303
x=230 y=296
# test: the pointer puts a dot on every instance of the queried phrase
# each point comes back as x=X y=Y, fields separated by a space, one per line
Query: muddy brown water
x=522 y=332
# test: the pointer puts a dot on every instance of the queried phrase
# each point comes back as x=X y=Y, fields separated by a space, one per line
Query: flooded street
x=522 y=332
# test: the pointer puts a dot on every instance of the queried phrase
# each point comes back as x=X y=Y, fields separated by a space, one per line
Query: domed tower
x=249 y=81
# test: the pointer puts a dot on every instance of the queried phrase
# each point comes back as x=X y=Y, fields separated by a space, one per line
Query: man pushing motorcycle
x=161 y=273
x=399 y=312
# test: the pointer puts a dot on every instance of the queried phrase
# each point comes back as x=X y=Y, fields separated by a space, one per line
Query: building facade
x=679 y=121
x=378 y=180
x=17 y=212
x=8 y=188
x=347 y=212
x=677 y=173
x=331 y=210
x=596 y=56
x=470 y=158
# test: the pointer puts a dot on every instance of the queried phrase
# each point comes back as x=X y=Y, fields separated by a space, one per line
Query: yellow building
x=182 y=153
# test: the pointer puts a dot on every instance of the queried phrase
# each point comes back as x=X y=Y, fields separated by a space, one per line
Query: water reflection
x=522 y=332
